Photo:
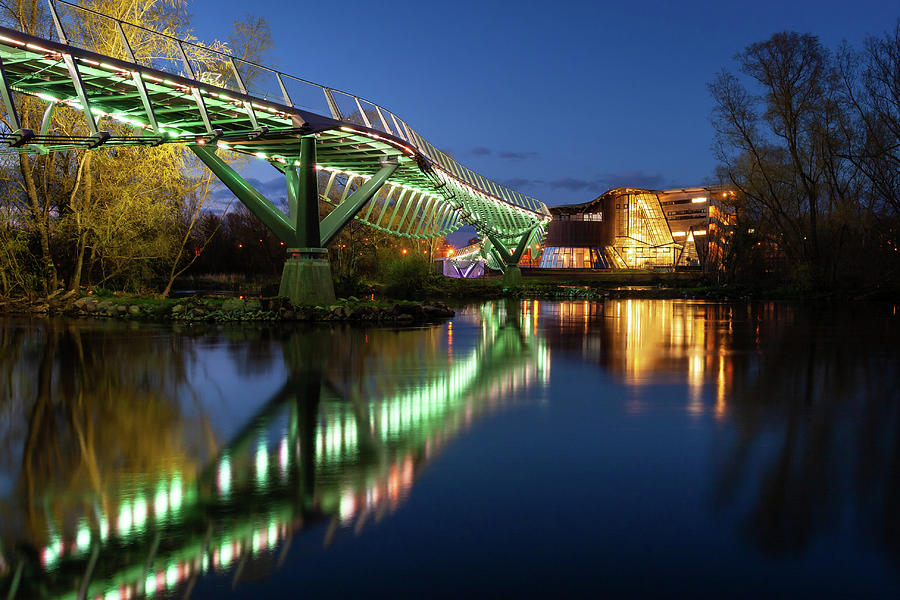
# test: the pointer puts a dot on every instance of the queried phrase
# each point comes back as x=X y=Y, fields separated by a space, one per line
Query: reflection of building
x=628 y=228
x=652 y=342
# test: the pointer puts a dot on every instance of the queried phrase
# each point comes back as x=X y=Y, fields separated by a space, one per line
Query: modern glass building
x=631 y=228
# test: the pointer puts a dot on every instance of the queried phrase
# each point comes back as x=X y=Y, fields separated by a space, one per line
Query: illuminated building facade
x=630 y=228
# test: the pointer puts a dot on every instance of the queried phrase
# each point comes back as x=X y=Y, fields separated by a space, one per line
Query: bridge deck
x=147 y=88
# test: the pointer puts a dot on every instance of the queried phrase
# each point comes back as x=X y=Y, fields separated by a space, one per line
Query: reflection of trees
x=360 y=414
x=819 y=430
x=102 y=405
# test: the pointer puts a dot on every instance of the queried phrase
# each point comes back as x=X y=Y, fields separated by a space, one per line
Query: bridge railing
x=215 y=65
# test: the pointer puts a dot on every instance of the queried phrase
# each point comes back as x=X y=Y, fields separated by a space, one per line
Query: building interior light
x=678 y=233
x=700 y=232
x=698 y=200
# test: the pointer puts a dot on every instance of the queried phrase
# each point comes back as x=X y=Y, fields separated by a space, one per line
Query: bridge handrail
x=193 y=59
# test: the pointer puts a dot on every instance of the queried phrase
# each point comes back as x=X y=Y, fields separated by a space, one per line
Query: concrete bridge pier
x=512 y=275
x=306 y=277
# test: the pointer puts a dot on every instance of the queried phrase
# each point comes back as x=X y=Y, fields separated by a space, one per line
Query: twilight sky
x=560 y=100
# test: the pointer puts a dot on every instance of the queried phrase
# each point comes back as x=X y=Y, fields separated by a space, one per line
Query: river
x=629 y=448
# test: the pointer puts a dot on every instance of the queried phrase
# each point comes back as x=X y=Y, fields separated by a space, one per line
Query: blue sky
x=560 y=100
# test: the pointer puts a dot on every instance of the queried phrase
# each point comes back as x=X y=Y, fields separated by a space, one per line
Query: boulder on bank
x=233 y=305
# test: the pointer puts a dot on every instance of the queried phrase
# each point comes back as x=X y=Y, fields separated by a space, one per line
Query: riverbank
x=640 y=286
x=428 y=304
x=223 y=310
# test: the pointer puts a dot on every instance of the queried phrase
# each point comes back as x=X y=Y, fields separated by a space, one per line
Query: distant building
x=630 y=228
x=463 y=263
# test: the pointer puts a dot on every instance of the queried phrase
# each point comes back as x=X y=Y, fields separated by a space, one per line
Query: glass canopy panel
x=421 y=144
x=210 y=67
x=444 y=160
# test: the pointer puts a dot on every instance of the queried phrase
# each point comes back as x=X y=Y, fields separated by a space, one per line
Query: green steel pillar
x=509 y=261
x=513 y=274
x=306 y=278
x=307 y=215
x=498 y=256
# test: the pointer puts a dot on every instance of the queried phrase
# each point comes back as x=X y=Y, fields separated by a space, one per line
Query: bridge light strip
x=31 y=46
x=123 y=72
x=3 y=38
x=430 y=193
x=394 y=143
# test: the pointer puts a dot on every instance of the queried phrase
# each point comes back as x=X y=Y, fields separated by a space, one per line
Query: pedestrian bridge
x=135 y=86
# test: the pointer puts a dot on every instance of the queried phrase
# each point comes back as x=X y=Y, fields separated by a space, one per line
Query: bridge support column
x=512 y=275
x=509 y=261
x=306 y=278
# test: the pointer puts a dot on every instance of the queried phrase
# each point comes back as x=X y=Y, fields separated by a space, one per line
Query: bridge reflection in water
x=340 y=443
x=774 y=423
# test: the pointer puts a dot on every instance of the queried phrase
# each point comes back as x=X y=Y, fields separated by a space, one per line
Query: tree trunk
x=41 y=224
x=84 y=171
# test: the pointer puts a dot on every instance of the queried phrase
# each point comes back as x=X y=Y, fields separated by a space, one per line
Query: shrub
x=408 y=277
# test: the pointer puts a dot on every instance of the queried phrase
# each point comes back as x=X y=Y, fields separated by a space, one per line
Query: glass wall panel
x=573 y=258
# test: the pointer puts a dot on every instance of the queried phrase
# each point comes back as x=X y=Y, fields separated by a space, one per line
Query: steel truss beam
x=346 y=210
x=503 y=255
x=301 y=229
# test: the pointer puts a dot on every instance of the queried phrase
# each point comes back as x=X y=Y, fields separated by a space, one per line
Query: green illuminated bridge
x=330 y=451
x=134 y=86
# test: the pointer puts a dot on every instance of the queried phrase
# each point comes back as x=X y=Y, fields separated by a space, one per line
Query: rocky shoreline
x=231 y=310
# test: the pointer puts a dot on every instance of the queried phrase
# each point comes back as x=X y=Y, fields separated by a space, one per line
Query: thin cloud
x=636 y=179
x=520 y=183
x=517 y=155
x=573 y=184
x=480 y=151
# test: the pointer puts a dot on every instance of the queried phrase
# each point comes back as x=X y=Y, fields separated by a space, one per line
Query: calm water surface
x=633 y=448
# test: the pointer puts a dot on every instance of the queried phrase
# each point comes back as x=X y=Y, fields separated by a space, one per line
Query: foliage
x=121 y=217
x=408 y=277
x=809 y=137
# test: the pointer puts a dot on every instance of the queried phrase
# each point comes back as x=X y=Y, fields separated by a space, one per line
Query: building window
x=573 y=258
